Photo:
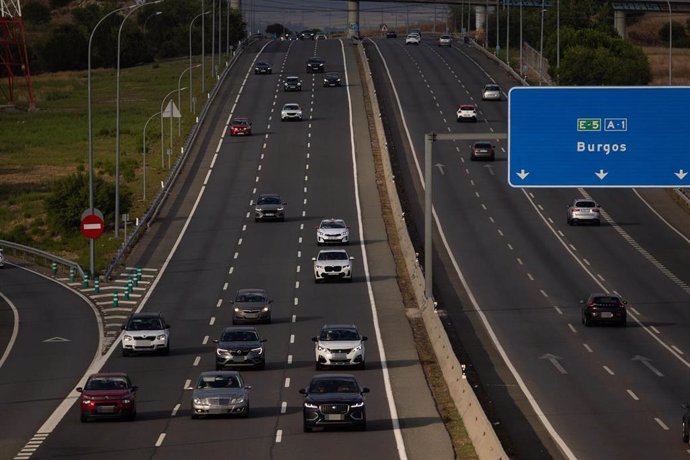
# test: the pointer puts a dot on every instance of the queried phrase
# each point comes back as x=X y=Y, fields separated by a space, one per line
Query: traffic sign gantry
x=598 y=137
x=92 y=226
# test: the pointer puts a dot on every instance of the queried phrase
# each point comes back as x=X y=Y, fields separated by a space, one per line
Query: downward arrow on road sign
x=681 y=174
x=601 y=174
x=522 y=174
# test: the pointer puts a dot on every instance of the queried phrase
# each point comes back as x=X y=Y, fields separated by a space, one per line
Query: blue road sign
x=599 y=137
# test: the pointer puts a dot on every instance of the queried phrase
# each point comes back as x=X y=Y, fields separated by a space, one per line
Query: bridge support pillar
x=236 y=5
x=352 y=18
x=619 y=22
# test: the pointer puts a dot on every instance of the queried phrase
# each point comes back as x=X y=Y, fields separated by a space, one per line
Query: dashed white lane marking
x=586 y=261
x=677 y=349
x=187 y=385
x=588 y=348
x=572 y=328
x=220 y=144
x=543 y=292
x=196 y=361
x=279 y=436
x=220 y=301
x=531 y=278
x=205 y=341
x=296 y=301
x=656 y=331
x=519 y=260
x=212 y=321
x=208 y=174
x=225 y=286
x=299 y=254
x=558 y=310
x=296 y=284
x=292 y=338
x=661 y=424
x=298 y=269
x=232 y=269
x=175 y=409
x=606 y=368
x=289 y=360
x=287 y=382
x=510 y=246
x=236 y=255
x=283 y=407
x=632 y=395
x=213 y=161
x=601 y=277
x=500 y=232
x=572 y=247
x=294 y=318
x=159 y=441
x=561 y=233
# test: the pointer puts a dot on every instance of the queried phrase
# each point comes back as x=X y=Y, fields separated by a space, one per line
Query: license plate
x=339 y=356
x=334 y=417
x=239 y=359
x=606 y=314
x=105 y=409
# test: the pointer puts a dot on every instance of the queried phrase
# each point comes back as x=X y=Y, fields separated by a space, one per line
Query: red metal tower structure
x=14 y=60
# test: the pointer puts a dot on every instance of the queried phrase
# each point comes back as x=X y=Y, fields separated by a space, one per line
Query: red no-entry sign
x=92 y=226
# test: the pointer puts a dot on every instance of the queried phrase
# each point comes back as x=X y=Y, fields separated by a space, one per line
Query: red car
x=240 y=127
x=108 y=395
x=604 y=308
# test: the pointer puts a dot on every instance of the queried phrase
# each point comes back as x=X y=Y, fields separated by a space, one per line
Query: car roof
x=251 y=290
x=146 y=315
x=339 y=326
x=240 y=328
x=269 y=195
x=240 y=119
x=332 y=73
x=333 y=219
x=108 y=374
x=491 y=86
x=334 y=376
x=315 y=58
x=290 y=103
x=482 y=143
x=588 y=200
x=323 y=251
x=261 y=62
x=467 y=106
x=292 y=76
x=228 y=373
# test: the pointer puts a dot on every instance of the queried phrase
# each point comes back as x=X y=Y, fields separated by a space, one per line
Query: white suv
x=445 y=40
x=466 y=112
x=145 y=332
x=332 y=231
x=339 y=345
x=332 y=264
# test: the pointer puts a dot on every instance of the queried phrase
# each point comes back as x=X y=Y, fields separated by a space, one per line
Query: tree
x=36 y=13
x=277 y=30
x=65 y=49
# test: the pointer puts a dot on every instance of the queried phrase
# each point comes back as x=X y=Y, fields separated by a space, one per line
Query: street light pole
x=541 y=43
x=179 y=101
x=558 y=34
x=508 y=36
x=157 y=13
x=203 y=51
x=498 y=29
x=191 y=91
x=670 y=44
x=486 y=25
x=117 y=119
x=143 y=151
x=521 y=38
x=162 y=141
x=92 y=243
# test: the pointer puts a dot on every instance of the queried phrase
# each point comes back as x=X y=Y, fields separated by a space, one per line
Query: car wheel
x=307 y=428
x=686 y=436
x=363 y=425
x=586 y=321
x=166 y=350
x=597 y=223
x=569 y=222
x=317 y=366
x=125 y=352
x=349 y=280
x=132 y=415
x=194 y=416
x=219 y=367
x=261 y=366
x=623 y=323
x=493 y=158
x=268 y=320
x=361 y=366
x=84 y=418
x=234 y=321
x=472 y=158
x=245 y=414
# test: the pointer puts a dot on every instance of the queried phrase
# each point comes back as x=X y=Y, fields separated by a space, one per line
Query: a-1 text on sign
x=92 y=226
x=599 y=137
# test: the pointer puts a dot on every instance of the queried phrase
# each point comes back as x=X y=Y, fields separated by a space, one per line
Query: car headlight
x=126 y=401
x=259 y=209
x=239 y=400
x=127 y=338
x=280 y=208
x=264 y=309
x=199 y=401
x=237 y=309
x=258 y=350
x=359 y=404
x=161 y=337
x=358 y=347
x=221 y=352
x=86 y=401
x=320 y=348
x=309 y=405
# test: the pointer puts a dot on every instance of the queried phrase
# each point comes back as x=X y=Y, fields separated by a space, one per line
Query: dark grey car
x=292 y=83
x=315 y=64
x=334 y=400
x=262 y=67
x=251 y=305
x=269 y=206
x=220 y=393
x=240 y=346
x=331 y=79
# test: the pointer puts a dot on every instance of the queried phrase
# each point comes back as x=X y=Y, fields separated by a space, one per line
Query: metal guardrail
x=156 y=204
x=38 y=255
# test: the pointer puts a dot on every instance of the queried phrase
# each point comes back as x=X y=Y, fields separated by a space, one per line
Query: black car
x=292 y=84
x=269 y=206
x=315 y=64
x=334 y=400
x=604 y=308
x=306 y=35
x=262 y=67
x=240 y=346
x=331 y=79
x=391 y=34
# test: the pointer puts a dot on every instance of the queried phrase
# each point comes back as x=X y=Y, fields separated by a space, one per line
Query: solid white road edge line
x=15 y=329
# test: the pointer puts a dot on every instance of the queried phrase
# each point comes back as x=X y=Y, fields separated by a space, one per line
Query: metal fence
x=41 y=258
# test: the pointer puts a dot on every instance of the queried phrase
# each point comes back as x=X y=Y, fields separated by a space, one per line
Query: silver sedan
x=220 y=393
x=291 y=111
x=583 y=210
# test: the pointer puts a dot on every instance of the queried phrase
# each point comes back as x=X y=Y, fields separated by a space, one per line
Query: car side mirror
x=582 y=301
x=352 y=258
x=122 y=327
x=364 y=338
x=247 y=387
x=216 y=340
x=167 y=326
x=314 y=259
x=284 y=203
x=79 y=389
x=365 y=390
x=302 y=391
x=625 y=302
x=135 y=387
x=314 y=339
x=264 y=340
x=270 y=301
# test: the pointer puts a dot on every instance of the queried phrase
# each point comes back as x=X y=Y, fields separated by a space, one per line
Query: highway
x=556 y=388
x=48 y=337
x=312 y=165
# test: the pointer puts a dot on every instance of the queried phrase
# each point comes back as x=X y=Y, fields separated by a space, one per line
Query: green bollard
x=53 y=268
x=71 y=274
x=97 y=286
x=126 y=294
x=116 y=302
x=85 y=283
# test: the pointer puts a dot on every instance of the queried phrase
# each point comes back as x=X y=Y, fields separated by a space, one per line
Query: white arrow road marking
x=601 y=174
x=646 y=362
x=553 y=359
x=440 y=168
x=522 y=174
x=681 y=174
x=491 y=170
x=56 y=339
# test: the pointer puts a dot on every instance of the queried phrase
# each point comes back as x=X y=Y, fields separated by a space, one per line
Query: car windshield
x=250 y=297
x=333 y=386
x=466 y=107
x=585 y=204
x=333 y=256
x=315 y=60
x=239 y=336
x=218 y=381
x=491 y=88
x=339 y=334
x=292 y=79
x=107 y=383
x=145 y=324
x=445 y=37
x=291 y=107
x=262 y=64
x=269 y=200
x=482 y=146
x=607 y=300
x=240 y=121
x=332 y=224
